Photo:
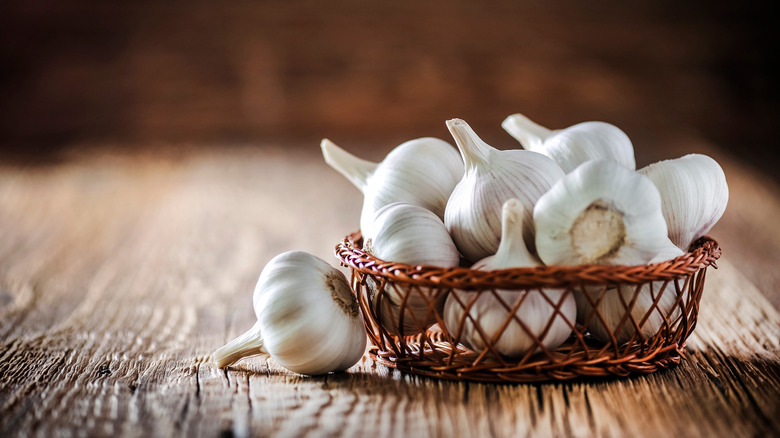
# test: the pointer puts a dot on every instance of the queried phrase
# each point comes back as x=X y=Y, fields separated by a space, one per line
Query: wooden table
x=120 y=273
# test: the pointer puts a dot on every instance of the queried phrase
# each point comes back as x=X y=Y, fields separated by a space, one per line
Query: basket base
x=432 y=356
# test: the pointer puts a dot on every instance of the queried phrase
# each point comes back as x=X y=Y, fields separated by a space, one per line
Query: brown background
x=140 y=74
x=177 y=151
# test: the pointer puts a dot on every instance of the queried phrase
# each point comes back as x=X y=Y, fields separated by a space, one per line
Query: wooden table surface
x=120 y=273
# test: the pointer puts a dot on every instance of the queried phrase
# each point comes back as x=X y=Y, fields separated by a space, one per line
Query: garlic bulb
x=487 y=309
x=421 y=172
x=601 y=213
x=574 y=145
x=308 y=320
x=492 y=176
x=409 y=234
x=694 y=195
x=613 y=307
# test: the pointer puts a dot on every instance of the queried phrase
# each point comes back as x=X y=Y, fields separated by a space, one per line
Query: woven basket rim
x=703 y=252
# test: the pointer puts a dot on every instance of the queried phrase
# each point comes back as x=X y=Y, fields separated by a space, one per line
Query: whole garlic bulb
x=613 y=308
x=492 y=176
x=601 y=213
x=308 y=319
x=409 y=234
x=574 y=145
x=487 y=309
x=421 y=172
x=694 y=195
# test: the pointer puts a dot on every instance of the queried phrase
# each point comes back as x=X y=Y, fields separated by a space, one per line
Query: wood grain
x=120 y=275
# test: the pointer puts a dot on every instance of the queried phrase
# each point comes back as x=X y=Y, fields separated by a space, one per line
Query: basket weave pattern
x=415 y=340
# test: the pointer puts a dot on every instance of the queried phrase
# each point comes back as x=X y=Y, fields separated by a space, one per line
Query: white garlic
x=613 y=303
x=694 y=195
x=412 y=235
x=421 y=172
x=601 y=213
x=490 y=314
x=308 y=319
x=574 y=145
x=492 y=176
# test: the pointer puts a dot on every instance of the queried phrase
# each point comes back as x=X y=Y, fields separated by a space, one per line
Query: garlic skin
x=492 y=176
x=694 y=195
x=409 y=234
x=574 y=145
x=601 y=213
x=308 y=319
x=421 y=172
x=534 y=311
x=612 y=307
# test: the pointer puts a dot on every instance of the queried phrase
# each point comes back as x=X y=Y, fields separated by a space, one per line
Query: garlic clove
x=694 y=195
x=491 y=310
x=492 y=176
x=574 y=145
x=613 y=303
x=308 y=319
x=601 y=213
x=422 y=172
x=409 y=234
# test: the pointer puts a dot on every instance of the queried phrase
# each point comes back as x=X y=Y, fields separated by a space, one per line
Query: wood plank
x=120 y=275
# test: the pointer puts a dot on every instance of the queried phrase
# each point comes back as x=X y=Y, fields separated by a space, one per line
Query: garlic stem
x=355 y=169
x=473 y=149
x=512 y=245
x=245 y=345
x=530 y=134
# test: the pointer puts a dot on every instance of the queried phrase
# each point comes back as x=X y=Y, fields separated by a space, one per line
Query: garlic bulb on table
x=308 y=319
x=601 y=213
x=409 y=234
x=486 y=308
x=492 y=176
x=694 y=195
x=613 y=308
x=574 y=145
x=421 y=172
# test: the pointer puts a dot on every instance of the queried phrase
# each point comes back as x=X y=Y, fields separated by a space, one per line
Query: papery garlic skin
x=422 y=172
x=409 y=234
x=575 y=145
x=613 y=307
x=486 y=308
x=308 y=319
x=492 y=176
x=694 y=195
x=601 y=213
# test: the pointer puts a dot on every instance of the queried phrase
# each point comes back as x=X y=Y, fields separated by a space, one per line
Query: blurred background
x=147 y=73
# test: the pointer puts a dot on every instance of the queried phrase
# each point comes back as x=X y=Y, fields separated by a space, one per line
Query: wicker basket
x=434 y=351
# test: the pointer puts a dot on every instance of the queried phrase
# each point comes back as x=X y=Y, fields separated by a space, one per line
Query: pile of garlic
x=569 y=197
